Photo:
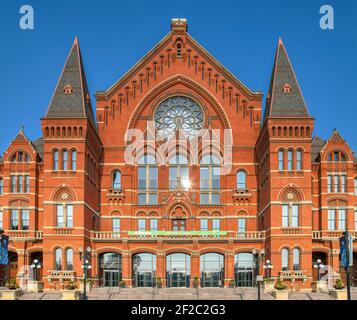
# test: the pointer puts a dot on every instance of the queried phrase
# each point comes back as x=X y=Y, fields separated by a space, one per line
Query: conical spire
x=284 y=98
x=71 y=98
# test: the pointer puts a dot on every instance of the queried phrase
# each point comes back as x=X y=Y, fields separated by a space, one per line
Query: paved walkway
x=179 y=294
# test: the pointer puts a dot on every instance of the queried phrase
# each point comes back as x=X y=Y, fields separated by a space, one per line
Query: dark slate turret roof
x=76 y=104
x=316 y=146
x=280 y=104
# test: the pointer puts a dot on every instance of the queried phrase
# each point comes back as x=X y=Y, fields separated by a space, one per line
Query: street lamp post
x=36 y=265
x=267 y=267
x=84 y=257
x=257 y=256
x=319 y=265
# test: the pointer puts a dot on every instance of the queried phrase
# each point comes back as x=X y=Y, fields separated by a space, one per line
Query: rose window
x=178 y=113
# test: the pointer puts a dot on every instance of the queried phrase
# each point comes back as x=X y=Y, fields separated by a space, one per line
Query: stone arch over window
x=179 y=212
x=115 y=213
x=64 y=194
x=161 y=91
x=216 y=214
x=154 y=214
x=337 y=156
x=20 y=156
x=291 y=194
x=204 y=214
x=141 y=214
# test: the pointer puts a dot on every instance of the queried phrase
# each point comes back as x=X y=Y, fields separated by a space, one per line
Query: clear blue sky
x=243 y=35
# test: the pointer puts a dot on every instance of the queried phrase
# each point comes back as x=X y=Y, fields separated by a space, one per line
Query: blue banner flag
x=4 y=251
x=343 y=251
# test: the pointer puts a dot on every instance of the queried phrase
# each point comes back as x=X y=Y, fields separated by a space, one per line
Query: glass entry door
x=111 y=279
x=178 y=270
x=244 y=270
x=110 y=265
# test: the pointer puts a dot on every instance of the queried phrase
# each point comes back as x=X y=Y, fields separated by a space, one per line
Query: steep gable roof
x=71 y=98
x=284 y=98
x=181 y=31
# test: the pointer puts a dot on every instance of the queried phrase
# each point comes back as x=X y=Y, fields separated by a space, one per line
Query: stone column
x=21 y=267
x=195 y=266
x=228 y=267
x=126 y=268
x=161 y=267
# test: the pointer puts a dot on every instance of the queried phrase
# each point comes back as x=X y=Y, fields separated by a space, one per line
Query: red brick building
x=289 y=195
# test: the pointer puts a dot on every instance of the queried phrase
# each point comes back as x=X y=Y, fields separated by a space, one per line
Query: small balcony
x=24 y=235
x=105 y=236
x=331 y=235
x=115 y=196
x=251 y=235
x=241 y=196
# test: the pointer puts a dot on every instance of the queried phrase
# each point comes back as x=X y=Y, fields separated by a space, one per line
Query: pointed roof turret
x=284 y=98
x=71 y=98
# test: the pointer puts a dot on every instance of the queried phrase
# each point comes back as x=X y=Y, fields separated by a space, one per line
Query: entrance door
x=110 y=269
x=178 y=270
x=244 y=270
x=244 y=279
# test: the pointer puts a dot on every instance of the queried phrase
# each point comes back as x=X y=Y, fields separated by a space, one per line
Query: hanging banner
x=343 y=251
x=4 y=251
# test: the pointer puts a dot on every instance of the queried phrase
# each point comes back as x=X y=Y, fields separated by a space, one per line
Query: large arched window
x=144 y=269
x=296 y=259
x=212 y=270
x=284 y=259
x=241 y=180
x=179 y=173
x=58 y=259
x=69 y=259
x=55 y=160
x=178 y=270
x=210 y=180
x=147 y=181
x=116 y=180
